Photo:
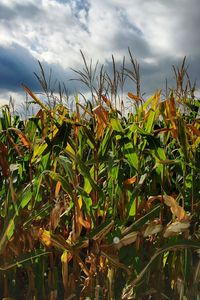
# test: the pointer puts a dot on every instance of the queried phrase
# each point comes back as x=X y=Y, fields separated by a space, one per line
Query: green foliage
x=98 y=203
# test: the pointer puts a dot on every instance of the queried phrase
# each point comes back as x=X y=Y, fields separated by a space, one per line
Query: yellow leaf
x=57 y=189
x=45 y=237
x=49 y=239
x=80 y=201
x=69 y=149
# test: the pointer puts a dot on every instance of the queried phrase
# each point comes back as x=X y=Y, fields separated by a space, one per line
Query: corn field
x=102 y=202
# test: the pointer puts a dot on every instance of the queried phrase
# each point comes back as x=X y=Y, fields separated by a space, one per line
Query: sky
x=159 y=34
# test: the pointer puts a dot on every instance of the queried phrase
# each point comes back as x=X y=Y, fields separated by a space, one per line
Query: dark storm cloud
x=153 y=76
x=17 y=65
x=131 y=39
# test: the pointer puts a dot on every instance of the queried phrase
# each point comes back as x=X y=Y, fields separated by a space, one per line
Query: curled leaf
x=176 y=209
x=153 y=227
x=169 y=201
x=176 y=228
x=45 y=237
x=179 y=212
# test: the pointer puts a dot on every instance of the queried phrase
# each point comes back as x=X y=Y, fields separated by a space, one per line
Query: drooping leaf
x=22 y=137
x=134 y=97
x=34 y=97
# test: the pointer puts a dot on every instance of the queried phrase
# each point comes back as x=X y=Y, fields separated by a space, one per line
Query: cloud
x=16 y=66
x=166 y=25
x=160 y=33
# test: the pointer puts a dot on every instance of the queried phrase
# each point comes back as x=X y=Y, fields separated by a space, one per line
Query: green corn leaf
x=116 y=125
x=85 y=171
x=131 y=155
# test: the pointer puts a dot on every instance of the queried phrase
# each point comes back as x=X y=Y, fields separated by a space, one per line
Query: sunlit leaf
x=116 y=125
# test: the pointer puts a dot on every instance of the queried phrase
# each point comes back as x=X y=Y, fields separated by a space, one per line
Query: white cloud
x=55 y=30
x=16 y=98
x=52 y=34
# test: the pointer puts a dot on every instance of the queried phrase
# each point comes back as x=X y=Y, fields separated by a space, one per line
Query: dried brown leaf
x=153 y=227
x=134 y=97
x=176 y=228
x=127 y=240
x=55 y=216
